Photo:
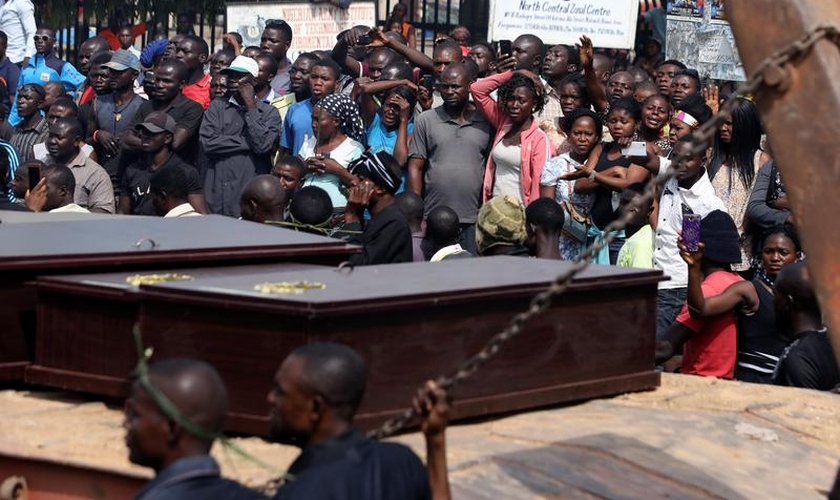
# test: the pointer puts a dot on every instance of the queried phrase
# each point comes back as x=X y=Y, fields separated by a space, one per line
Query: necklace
x=118 y=110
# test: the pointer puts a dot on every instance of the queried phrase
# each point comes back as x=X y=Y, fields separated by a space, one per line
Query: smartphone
x=322 y=156
x=636 y=148
x=691 y=231
x=428 y=81
x=364 y=40
x=34 y=177
x=505 y=48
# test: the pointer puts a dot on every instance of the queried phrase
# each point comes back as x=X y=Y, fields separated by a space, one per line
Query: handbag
x=575 y=225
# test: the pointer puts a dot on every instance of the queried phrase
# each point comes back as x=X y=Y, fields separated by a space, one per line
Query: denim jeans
x=668 y=305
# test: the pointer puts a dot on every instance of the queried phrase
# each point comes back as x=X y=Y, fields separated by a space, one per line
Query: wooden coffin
x=411 y=322
x=33 y=245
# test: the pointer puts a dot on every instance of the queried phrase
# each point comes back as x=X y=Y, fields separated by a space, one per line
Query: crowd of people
x=515 y=148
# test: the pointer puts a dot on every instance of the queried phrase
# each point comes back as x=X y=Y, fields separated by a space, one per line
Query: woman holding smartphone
x=339 y=133
x=609 y=170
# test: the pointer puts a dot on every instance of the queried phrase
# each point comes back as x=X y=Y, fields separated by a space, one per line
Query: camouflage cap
x=501 y=221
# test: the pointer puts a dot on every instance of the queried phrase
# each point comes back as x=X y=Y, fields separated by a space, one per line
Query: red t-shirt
x=711 y=351
x=199 y=91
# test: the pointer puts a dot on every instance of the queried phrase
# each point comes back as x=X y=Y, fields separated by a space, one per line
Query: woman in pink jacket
x=520 y=148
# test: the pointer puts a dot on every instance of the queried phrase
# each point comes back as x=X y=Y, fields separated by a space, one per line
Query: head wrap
x=377 y=168
x=720 y=237
x=346 y=112
x=501 y=221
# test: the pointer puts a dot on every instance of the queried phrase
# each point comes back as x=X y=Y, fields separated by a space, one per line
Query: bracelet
x=592 y=176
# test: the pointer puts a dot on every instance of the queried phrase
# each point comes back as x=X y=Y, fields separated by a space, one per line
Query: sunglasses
x=44 y=38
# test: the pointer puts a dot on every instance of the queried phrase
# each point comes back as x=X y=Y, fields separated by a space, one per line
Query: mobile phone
x=322 y=156
x=691 y=232
x=364 y=40
x=34 y=177
x=428 y=81
x=636 y=148
x=505 y=48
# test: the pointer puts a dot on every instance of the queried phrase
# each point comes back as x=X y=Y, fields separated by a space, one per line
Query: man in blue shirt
x=161 y=441
x=323 y=76
x=45 y=67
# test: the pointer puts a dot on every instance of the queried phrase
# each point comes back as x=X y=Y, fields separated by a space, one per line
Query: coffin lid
x=119 y=241
x=390 y=286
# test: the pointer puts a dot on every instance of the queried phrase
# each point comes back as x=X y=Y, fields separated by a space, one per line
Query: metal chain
x=768 y=74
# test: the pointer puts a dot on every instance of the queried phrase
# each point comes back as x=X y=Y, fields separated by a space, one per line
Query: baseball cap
x=157 y=122
x=243 y=64
x=123 y=60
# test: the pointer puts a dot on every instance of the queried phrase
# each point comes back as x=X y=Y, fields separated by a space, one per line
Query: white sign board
x=609 y=23
x=314 y=26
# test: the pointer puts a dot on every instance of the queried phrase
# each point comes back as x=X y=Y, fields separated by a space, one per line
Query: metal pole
x=802 y=117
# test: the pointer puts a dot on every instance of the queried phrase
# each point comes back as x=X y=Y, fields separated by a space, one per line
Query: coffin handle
x=14 y=488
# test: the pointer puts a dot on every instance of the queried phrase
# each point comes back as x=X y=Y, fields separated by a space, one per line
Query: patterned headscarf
x=346 y=113
x=378 y=168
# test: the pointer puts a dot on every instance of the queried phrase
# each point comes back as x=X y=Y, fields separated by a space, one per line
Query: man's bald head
x=195 y=388
x=154 y=436
x=90 y=48
x=602 y=66
x=263 y=199
x=528 y=50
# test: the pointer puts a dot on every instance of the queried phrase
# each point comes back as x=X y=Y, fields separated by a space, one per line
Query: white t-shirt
x=345 y=153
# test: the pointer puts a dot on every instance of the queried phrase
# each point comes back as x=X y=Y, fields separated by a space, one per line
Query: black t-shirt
x=135 y=183
x=350 y=467
x=602 y=208
x=809 y=362
x=759 y=343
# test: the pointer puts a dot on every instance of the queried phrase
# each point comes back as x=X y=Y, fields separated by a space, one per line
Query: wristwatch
x=592 y=176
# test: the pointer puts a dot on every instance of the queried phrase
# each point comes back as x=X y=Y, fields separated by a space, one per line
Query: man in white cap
x=238 y=136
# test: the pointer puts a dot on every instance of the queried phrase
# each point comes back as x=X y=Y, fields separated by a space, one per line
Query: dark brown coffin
x=32 y=245
x=411 y=322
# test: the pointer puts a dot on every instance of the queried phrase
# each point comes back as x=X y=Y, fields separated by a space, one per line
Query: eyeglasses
x=44 y=38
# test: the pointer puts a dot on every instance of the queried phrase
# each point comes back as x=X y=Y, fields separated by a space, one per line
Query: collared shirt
x=183 y=210
x=552 y=110
x=70 y=208
x=23 y=139
x=194 y=477
x=93 y=185
x=455 y=154
x=351 y=467
x=199 y=91
x=271 y=96
x=283 y=103
x=675 y=201
x=17 y=21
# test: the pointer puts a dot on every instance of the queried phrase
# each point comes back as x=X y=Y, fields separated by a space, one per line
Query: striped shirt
x=14 y=161
x=23 y=139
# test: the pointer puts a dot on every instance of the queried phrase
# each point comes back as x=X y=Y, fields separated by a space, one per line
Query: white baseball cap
x=242 y=64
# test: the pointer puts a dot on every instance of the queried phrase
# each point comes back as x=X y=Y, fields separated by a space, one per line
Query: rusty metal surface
x=802 y=119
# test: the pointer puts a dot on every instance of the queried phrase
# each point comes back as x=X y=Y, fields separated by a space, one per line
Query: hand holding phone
x=691 y=232
x=428 y=82
x=505 y=48
x=636 y=148
x=34 y=176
